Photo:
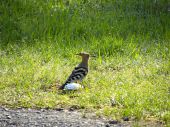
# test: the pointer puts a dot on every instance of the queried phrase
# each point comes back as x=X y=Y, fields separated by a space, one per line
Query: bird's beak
x=92 y=55
x=78 y=54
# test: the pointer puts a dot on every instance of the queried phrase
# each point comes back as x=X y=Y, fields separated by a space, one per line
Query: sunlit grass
x=131 y=65
x=139 y=83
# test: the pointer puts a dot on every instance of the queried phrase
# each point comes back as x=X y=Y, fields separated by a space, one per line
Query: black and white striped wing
x=77 y=74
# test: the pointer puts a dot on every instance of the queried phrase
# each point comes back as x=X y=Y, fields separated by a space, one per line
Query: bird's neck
x=84 y=61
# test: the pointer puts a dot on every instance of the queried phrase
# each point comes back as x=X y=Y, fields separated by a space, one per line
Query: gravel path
x=48 y=118
x=55 y=118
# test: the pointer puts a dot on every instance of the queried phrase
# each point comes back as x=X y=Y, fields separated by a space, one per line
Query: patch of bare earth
x=59 y=118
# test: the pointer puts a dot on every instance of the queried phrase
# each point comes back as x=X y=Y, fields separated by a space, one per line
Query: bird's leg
x=80 y=81
x=77 y=81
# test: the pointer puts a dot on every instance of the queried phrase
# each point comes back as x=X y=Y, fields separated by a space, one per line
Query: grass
x=130 y=39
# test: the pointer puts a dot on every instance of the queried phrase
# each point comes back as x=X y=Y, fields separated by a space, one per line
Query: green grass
x=130 y=39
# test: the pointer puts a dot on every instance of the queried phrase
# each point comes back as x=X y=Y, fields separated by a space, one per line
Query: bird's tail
x=62 y=87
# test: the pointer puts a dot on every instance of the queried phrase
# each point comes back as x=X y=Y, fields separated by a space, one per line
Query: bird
x=79 y=72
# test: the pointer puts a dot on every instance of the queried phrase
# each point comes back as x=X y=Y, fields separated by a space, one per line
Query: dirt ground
x=57 y=118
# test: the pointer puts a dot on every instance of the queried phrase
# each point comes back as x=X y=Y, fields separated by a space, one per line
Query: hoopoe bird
x=79 y=72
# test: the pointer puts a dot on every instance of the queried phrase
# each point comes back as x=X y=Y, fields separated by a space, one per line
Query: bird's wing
x=77 y=75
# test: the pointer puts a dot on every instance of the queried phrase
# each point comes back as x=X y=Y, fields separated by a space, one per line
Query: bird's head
x=83 y=55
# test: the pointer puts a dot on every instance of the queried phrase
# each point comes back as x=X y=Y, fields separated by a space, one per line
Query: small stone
x=47 y=108
x=107 y=125
x=126 y=118
x=59 y=109
x=74 y=107
x=8 y=117
x=42 y=110
x=113 y=122
x=71 y=109
x=29 y=109
x=6 y=109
